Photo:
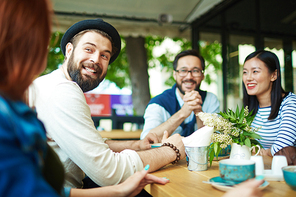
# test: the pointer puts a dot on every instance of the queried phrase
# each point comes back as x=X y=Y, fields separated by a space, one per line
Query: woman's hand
x=249 y=188
x=265 y=152
x=135 y=183
x=130 y=187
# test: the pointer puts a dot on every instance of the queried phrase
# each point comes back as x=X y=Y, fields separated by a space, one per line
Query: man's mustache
x=97 y=68
x=189 y=80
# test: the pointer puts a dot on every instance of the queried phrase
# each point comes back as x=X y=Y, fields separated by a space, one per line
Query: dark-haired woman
x=28 y=167
x=275 y=109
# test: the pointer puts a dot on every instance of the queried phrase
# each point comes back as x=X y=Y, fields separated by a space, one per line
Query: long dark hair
x=271 y=61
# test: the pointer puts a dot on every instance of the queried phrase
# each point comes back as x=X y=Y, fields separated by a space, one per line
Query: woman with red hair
x=28 y=167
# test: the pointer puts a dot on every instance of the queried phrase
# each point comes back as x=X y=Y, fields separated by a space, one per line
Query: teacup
x=290 y=176
x=236 y=170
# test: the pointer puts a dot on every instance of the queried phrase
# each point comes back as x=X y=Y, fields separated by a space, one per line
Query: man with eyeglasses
x=174 y=110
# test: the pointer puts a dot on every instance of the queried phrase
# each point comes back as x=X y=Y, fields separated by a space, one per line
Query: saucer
x=272 y=177
x=156 y=145
x=225 y=188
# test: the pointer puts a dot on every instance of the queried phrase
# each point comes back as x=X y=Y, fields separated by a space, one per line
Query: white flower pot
x=241 y=152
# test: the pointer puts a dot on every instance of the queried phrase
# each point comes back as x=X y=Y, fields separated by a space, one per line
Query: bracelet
x=175 y=149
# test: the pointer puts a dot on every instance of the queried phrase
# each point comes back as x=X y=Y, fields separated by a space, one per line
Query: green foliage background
x=118 y=71
x=55 y=55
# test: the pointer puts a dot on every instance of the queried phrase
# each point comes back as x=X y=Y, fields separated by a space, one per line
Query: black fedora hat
x=98 y=24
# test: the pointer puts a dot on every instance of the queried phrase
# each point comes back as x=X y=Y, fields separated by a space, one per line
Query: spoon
x=230 y=183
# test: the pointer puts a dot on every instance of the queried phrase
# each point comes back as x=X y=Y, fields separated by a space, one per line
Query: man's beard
x=179 y=86
x=85 y=84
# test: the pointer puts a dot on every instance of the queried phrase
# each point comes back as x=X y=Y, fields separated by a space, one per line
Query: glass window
x=210 y=48
x=239 y=48
x=276 y=46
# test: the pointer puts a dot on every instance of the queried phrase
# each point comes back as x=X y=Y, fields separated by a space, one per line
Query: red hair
x=25 y=29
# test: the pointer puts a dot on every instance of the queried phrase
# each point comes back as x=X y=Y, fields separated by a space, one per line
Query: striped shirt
x=281 y=131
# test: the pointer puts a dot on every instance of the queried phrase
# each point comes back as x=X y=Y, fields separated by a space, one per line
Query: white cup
x=259 y=165
x=278 y=161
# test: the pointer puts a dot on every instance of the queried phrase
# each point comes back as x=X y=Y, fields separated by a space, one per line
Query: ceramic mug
x=278 y=161
x=259 y=165
x=236 y=170
x=242 y=152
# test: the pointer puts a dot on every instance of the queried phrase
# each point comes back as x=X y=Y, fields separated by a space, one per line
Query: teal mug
x=236 y=170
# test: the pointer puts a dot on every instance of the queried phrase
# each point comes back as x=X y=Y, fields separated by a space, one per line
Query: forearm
x=199 y=122
x=157 y=157
x=170 y=125
x=96 y=192
x=287 y=132
x=118 y=146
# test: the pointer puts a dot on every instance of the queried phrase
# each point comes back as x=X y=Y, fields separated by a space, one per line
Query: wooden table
x=189 y=183
x=121 y=134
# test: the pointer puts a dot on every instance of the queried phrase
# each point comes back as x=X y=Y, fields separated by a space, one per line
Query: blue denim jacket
x=22 y=151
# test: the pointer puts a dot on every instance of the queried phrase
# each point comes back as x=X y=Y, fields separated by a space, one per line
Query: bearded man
x=174 y=110
x=89 y=47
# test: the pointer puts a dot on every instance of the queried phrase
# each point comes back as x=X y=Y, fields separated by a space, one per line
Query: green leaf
x=250 y=119
x=241 y=116
x=248 y=142
x=212 y=155
x=252 y=135
x=216 y=146
x=223 y=115
x=256 y=142
x=237 y=111
x=218 y=152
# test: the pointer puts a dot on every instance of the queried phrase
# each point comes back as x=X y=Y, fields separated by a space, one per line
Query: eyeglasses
x=195 y=72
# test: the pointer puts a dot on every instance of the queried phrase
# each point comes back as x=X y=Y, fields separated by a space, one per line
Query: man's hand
x=176 y=140
x=150 y=138
x=153 y=138
x=192 y=102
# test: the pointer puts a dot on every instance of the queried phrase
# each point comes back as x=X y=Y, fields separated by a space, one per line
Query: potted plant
x=230 y=127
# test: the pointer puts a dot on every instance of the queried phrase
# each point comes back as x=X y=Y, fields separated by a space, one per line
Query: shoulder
x=165 y=96
x=21 y=122
x=13 y=109
x=288 y=105
x=52 y=79
x=5 y=115
x=55 y=84
x=290 y=99
x=154 y=108
x=167 y=92
x=290 y=96
x=211 y=95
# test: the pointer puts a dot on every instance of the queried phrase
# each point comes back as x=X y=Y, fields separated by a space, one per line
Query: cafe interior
x=257 y=24
x=235 y=24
